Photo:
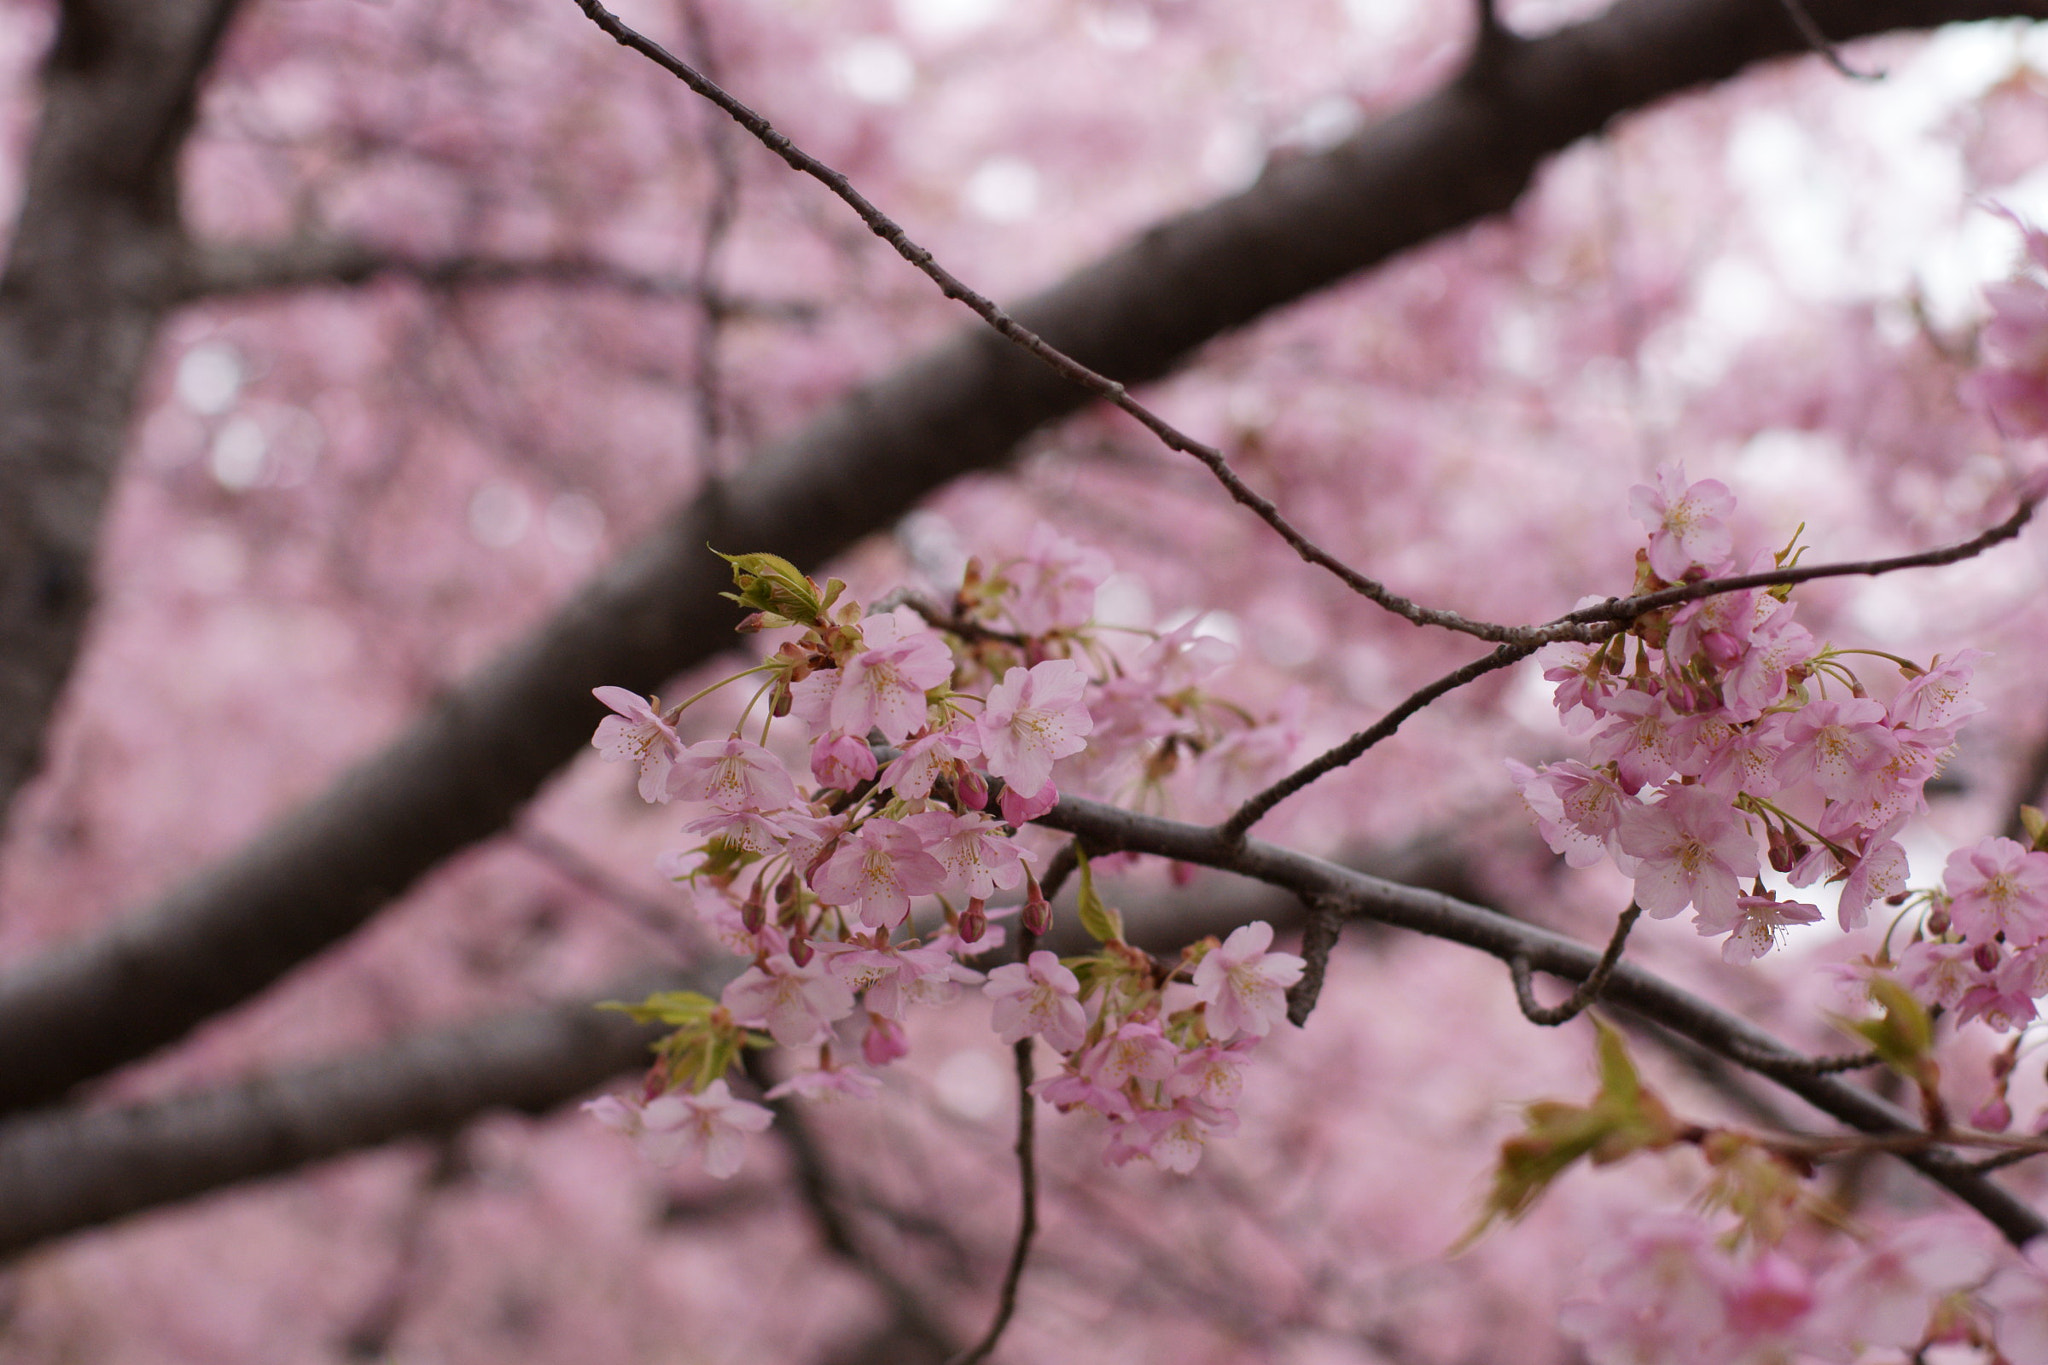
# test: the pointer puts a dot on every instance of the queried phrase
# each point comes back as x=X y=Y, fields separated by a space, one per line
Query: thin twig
x=1624 y=609
x=1254 y=810
x=1822 y=44
x=1318 y=939
x=1060 y=362
x=1587 y=991
x=1027 y=1189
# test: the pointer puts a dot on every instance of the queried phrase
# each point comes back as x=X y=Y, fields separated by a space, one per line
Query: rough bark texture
x=460 y=772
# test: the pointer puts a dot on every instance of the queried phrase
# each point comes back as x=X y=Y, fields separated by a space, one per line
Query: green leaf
x=1103 y=924
x=771 y=584
x=676 y=1008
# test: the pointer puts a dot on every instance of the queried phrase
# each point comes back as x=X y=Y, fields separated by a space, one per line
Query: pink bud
x=800 y=950
x=753 y=913
x=1037 y=909
x=974 y=921
x=1994 y=1115
x=1986 y=957
x=1937 y=920
x=885 y=1041
x=973 y=788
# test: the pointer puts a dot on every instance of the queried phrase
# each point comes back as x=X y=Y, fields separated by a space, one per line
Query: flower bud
x=884 y=1042
x=1994 y=1115
x=973 y=788
x=800 y=950
x=753 y=912
x=1986 y=957
x=974 y=921
x=1037 y=909
x=1937 y=921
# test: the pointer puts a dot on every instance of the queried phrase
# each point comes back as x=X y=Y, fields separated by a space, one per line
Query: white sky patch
x=574 y=524
x=943 y=19
x=209 y=378
x=972 y=1084
x=500 y=514
x=1003 y=189
x=1120 y=28
x=875 y=70
x=239 y=455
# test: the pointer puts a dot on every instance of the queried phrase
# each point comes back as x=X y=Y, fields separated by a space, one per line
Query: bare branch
x=65 y=1170
x=463 y=769
x=1818 y=41
x=224 y=271
x=1027 y=1198
x=1107 y=829
x=1587 y=991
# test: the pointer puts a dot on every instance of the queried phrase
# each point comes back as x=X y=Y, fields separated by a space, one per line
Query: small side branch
x=1027 y=1222
x=1318 y=938
x=1587 y=991
x=1781 y=1066
x=1254 y=810
x=1822 y=45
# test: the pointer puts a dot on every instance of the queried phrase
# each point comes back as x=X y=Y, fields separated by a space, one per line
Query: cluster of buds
x=933 y=738
x=1721 y=733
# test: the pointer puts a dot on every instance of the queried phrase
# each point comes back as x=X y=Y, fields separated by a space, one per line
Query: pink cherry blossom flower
x=1694 y=849
x=1020 y=810
x=1839 y=744
x=883 y=687
x=977 y=855
x=798 y=1005
x=1074 y=1089
x=1038 y=996
x=892 y=978
x=884 y=1042
x=741 y=829
x=842 y=762
x=1686 y=522
x=1998 y=887
x=1761 y=676
x=712 y=1126
x=1880 y=871
x=639 y=734
x=1939 y=698
x=1033 y=718
x=733 y=775
x=1882 y=1296
x=1577 y=809
x=1243 y=985
x=1212 y=1075
x=1645 y=738
x=1939 y=973
x=911 y=774
x=878 y=868
x=1053 y=585
x=1136 y=1051
x=1754 y=927
x=828 y=1082
x=1171 y=1139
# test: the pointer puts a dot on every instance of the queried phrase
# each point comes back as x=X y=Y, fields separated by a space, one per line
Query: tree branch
x=1107 y=829
x=464 y=768
x=66 y=1170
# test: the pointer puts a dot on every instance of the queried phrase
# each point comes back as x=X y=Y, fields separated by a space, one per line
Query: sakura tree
x=1658 y=545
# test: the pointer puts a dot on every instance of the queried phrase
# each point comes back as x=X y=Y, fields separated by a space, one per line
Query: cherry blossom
x=1686 y=521
x=798 y=1005
x=1037 y=996
x=733 y=775
x=1034 y=717
x=1245 y=986
x=637 y=734
x=1998 y=887
x=877 y=869
x=1692 y=849
x=712 y=1126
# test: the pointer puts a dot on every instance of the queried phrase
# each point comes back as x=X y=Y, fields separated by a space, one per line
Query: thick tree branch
x=1108 y=829
x=85 y=287
x=460 y=773
x=65 y=1170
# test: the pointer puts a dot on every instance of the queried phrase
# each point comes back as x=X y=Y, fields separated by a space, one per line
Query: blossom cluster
x=1671 y=1289
x=932 y=739
x=1722 y=734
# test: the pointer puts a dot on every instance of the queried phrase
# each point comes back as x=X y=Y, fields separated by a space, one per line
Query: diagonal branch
x=1107 y=829
x=463 y=769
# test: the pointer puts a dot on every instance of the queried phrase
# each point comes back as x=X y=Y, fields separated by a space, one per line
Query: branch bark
x=458 y=775
x=86 y=284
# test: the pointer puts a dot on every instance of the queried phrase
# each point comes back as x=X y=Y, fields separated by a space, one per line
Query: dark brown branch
x=1821 y=45
x=1586 y=992
x=1027 y=1217
x=65 y=1170
x=463 y=769
x=1255 y=809
x=1318 y=940
x=225 y=271
x=86 y=285
x=1438 y=916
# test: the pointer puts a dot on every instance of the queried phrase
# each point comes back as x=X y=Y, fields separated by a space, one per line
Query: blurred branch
x=81 y=298
x=463 y=769
x=311 y=262
x=1107 y=829
x=1821 y=45
x=70 y=1169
